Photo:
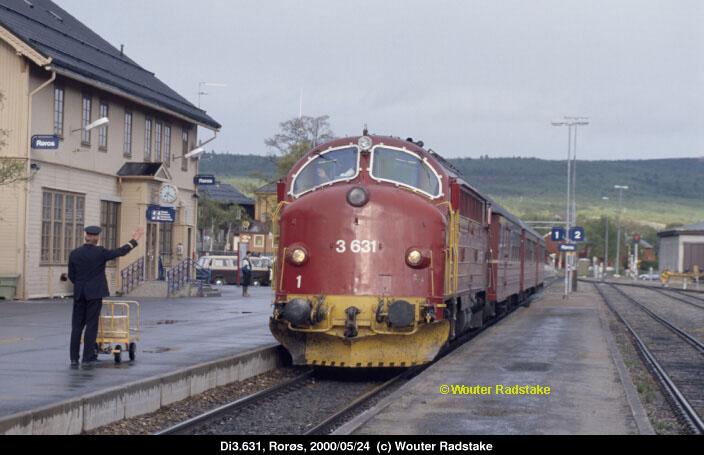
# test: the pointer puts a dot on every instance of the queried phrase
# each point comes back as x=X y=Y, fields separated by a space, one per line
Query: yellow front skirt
x=376 y=344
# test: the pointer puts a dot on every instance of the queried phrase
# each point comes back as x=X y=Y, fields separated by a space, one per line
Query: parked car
x=261 y=271
x=649 y=276
x=217 y=269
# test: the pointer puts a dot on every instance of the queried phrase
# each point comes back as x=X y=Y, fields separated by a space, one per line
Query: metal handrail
x=180 y=275
x=133 y=275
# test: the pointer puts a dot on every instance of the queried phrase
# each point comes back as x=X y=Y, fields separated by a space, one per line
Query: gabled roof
x=268 y=188
x=75 y=50
x=132 y=169
x=226 y=193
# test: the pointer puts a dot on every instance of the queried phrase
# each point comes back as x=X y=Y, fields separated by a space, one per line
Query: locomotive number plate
x=356 y=246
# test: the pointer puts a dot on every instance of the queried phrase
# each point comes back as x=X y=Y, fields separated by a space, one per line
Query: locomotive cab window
x=404 y=168
x=326 y=168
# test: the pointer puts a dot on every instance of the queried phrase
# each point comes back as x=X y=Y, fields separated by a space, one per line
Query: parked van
x=218 y=269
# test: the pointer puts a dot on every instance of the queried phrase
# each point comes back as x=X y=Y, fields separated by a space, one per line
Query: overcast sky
x=469 y=78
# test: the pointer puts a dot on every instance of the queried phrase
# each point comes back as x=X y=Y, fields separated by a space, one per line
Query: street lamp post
x=620 y=189
x=606 y=242
x=571 y=215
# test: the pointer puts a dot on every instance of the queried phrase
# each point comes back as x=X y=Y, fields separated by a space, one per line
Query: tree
x=296 y=137
x=11 y=169
x=214 y=217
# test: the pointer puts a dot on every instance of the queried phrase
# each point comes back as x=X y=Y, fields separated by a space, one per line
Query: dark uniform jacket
x=86 y=269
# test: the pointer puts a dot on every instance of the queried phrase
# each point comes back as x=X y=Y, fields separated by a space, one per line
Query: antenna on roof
x=122 y=50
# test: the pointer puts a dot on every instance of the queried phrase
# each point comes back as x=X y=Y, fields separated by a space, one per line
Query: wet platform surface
x=176 y=333
x=561 y=344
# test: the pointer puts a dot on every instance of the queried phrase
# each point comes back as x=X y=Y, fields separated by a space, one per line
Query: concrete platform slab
x=556 y=343
x=178 y=333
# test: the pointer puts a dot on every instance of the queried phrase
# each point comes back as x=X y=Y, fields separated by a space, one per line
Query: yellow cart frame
x=119 y=328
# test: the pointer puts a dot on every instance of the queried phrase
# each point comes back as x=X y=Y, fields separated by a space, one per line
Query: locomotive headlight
x=357 y=196
x=298 y=256
x=414 y=257
x=365 y=142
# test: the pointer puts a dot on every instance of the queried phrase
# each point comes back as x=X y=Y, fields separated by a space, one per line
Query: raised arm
x=124 y=249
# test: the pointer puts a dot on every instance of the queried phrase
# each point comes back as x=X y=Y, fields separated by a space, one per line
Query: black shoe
x=91 y=362
x=74 y=363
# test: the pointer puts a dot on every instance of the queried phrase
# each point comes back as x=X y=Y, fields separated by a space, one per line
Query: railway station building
x=682 y=248
x=58 y=78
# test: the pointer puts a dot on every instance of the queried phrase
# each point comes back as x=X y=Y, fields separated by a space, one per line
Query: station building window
x=103 y=130
x=127 y=139
x=62 y=225
x=165 y=242
x=167 y=145
x=59 y=111
x=158 y=128
x=184 y=146
x=85 y=119
x=109 y=223
x=259 y=241
x=148 y=139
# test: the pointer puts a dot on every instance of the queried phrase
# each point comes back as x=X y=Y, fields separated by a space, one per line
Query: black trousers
x=86 y=313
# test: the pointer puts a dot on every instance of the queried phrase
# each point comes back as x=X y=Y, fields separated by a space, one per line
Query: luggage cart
x=119 y=328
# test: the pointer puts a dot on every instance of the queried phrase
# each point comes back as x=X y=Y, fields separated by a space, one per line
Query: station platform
x=176 y=333
x=562 y=344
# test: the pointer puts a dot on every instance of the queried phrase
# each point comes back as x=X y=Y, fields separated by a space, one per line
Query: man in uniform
x=86 y=270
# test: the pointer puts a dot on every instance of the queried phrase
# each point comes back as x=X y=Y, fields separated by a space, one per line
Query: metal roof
x=224 y=192
x=75 y=48
x=139 y=169
x=268 y=188
x=689 y=229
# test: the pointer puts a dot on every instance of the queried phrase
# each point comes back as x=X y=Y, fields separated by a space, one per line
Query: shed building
x=682 y=248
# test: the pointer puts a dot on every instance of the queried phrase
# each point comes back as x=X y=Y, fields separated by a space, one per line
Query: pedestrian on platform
x=86 y=270
x=246 y=273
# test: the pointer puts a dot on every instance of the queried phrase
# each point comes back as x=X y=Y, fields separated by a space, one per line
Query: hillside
x=661 y=192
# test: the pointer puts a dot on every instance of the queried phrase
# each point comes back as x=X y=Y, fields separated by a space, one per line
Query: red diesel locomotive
x=385 y=254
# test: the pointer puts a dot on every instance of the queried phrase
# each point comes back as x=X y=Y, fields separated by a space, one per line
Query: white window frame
x=311 y=158
x=405 y=185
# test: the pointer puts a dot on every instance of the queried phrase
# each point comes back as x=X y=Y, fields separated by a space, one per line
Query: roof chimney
x=122 y=50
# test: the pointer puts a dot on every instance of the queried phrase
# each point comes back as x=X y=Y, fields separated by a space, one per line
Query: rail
x=133 y=275
x=180 y=275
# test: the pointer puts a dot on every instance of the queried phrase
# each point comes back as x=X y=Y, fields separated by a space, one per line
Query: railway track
x=675 y=358
x=308 y=403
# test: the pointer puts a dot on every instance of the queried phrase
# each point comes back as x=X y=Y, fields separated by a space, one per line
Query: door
x=151 y=245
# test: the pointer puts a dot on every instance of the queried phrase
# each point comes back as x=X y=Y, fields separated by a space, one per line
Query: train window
x=326 y=168
x=404 y=168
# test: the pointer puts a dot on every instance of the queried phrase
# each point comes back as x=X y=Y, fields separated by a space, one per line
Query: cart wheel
x=118 y=354
x=133 y=350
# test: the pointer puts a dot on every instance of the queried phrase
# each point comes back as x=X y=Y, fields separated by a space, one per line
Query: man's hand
x=139 y=232
x=63 y=277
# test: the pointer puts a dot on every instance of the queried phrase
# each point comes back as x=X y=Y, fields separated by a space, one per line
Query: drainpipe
x=25 y=260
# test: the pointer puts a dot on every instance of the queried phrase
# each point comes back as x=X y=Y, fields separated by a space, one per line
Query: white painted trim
x=412 y=188
x=331 y=182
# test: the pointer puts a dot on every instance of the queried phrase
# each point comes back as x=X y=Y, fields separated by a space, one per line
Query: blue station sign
x=45 y=142
x=577 y=234
x=557 y=234
x=568 y=247
x=160 y=214
x=203 y=179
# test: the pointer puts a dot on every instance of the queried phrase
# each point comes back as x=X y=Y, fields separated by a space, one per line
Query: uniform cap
x=93 y=230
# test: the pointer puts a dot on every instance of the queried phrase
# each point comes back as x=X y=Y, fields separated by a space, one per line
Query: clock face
x=168 y=193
